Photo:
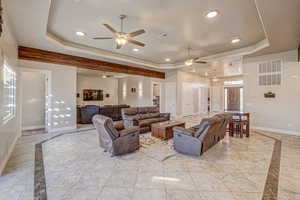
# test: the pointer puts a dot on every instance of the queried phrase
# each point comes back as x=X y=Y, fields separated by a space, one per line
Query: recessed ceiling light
x=236 y=40
x=167 y=59
x=212 y=14
x=104 y=76
x=135 y=50
x=79 y=33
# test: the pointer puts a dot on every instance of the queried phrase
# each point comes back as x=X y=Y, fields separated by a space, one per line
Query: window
x=237 y=82
x=270 y=73
x=9 y=82
x=241 y=99
x=226 y=99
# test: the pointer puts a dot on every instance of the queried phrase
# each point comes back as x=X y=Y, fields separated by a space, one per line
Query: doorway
x=34 y=101
x=203 y=100
x=233 y=99
x=156 y=94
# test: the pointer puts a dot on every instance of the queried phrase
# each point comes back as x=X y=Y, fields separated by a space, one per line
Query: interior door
x=203 y=100
x=171 y=98
x=233 y=98
x=216 y=98
x=187 y=99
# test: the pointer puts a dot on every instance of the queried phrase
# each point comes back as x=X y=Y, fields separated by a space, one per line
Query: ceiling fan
x=191 y=61
x=122 y=38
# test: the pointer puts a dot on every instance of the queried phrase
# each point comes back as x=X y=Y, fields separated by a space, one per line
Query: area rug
x=156 y=148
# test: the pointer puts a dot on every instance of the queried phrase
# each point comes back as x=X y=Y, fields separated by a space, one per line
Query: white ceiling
x=222 y=68
x=184 y=22
x=205 y=36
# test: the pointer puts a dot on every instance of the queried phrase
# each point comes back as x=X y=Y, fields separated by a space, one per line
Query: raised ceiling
x=184 y=23
x=51 y=25
x=222 y=68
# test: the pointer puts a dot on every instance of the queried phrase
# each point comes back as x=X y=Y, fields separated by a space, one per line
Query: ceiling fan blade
x=136 y=33
x=110 y=28
x=137 y=43
x=201 y=62
x=102 y=38
x=119 y=46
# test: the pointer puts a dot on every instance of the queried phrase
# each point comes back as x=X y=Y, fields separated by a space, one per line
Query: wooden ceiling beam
x=38 y=55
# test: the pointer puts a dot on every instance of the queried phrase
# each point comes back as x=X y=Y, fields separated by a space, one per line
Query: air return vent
x=270 y=73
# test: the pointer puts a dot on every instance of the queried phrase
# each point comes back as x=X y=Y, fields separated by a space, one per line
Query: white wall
x=108 y=85
x=33 y=100
x=280 y=114
x=216 y=98
x=62 y=95
x=143 y=94
x=187 y=100
x=9 y=130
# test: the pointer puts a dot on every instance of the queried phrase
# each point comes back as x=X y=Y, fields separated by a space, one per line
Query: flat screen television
x=92 y=95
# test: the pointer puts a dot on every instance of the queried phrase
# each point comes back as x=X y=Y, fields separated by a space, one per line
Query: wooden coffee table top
x=167 y=124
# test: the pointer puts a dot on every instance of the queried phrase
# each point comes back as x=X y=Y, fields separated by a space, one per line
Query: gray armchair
x=114 y=141
x=198 y=139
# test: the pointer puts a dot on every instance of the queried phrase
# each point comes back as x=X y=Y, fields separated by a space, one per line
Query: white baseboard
x=28 y=128
x=62 y=129
x=11 y=148
x=282 y=131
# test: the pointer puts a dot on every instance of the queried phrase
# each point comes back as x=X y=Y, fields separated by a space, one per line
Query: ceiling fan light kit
x=123 y=38
x=189 y=62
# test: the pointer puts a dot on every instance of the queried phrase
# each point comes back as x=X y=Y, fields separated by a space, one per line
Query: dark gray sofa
x=198 y=139
x=116 y=142
x=143 y=117
x=85 y=113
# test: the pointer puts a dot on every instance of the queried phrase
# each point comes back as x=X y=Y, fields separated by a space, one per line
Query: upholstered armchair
x=198 y=139
x=113 y=141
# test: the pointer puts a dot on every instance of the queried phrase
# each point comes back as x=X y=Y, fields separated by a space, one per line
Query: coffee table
x=164 y=130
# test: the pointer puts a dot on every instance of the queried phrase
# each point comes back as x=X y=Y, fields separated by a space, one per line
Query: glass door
x=233 y=99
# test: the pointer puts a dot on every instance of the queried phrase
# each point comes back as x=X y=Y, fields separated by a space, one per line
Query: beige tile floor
x=77 y=168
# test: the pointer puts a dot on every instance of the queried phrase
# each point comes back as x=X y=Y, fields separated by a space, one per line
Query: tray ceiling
x=264 y=26
x=205 y=36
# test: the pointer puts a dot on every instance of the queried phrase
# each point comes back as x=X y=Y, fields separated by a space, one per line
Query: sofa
x=143 y=117
x=86 y=113
x=116 y=142
x=198 y=139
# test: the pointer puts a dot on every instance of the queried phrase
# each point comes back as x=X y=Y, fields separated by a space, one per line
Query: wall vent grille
x=270 y=73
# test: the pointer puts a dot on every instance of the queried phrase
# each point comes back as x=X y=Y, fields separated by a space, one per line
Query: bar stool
x=238 y=127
